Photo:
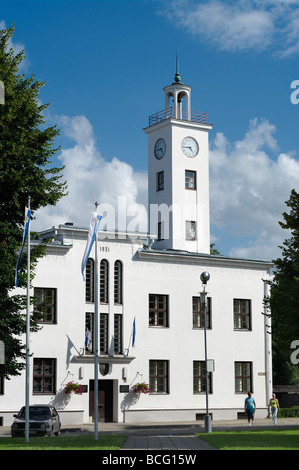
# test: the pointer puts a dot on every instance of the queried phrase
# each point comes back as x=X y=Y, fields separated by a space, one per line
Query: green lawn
x=285 y=439
x=81 y=442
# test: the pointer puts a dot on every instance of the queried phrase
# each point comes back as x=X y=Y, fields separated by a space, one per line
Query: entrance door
x=105 y=400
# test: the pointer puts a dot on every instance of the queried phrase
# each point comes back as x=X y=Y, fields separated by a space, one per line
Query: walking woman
x=274 y=408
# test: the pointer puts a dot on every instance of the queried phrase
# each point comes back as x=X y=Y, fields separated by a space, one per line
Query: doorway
x=105 y=400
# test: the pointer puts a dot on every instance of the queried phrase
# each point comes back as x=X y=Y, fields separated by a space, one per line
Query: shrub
x=289 y=412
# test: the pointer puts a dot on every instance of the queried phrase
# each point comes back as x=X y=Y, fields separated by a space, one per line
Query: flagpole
x=96 y=340
x=93 y=239
x=27 y=334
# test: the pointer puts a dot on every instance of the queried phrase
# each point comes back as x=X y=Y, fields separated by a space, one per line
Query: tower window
x=160 y=231
x=44 y=373
x=158 y=310
x=190 y=230
x=103 y=333
x=89 y=283
x=199 y=377
x=118 y=282
x=160 y=181
x=158 y=376
x=104 y=267
x=118 y=321
x=45 y=304
x=242 y=314
x=190 y=179
x=243 y=376
x=198 y=313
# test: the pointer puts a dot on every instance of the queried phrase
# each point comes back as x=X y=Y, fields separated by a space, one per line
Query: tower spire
x=177 y=77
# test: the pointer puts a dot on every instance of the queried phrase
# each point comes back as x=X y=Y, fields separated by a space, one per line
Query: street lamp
x=204 y=277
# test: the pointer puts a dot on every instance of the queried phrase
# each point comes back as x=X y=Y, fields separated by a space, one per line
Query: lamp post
x=204 y=277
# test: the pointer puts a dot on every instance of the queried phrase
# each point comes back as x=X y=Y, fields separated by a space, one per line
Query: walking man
x=249 y=408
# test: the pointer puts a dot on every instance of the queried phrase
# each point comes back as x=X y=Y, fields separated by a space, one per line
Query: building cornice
x=69 y=232
x=182 y=257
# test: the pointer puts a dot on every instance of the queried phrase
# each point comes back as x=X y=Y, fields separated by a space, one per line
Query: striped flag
x=88 y=336
x=26 y=228
x=93 y=229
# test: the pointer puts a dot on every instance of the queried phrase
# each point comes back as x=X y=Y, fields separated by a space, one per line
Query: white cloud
x=248 y=189
x=91 y=179
x=240 y=25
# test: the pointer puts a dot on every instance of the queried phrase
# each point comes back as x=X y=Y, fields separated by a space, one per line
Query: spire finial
x=177 y=77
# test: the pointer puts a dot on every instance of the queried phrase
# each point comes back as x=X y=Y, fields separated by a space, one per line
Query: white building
x=157 y=284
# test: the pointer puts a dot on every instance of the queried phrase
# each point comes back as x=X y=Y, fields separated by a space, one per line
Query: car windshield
x=36 y=412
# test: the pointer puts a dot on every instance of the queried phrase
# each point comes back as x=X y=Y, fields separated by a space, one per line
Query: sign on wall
x=2 y=353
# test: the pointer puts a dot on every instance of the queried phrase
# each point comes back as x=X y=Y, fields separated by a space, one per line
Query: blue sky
x=105 y=64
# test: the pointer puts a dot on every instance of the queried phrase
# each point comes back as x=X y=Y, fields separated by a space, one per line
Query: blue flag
x=134 y=334
x=26 y=228
x=93 y=229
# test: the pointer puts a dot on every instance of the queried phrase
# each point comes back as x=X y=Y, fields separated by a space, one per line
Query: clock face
x=160 y=148
x=190 y=147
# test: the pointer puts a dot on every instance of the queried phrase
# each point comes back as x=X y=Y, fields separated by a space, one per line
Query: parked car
x=43 y=421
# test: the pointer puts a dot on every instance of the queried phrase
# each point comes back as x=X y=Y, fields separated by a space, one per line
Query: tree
x=284 y=299
x=213 y=250
x=26 y=149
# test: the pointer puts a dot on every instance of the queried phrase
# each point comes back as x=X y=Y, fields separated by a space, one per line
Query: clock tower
x=178 y=173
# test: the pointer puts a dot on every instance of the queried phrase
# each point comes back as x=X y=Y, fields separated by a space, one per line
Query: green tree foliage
x=26 y=149
x=213 y=250
x=284 y=300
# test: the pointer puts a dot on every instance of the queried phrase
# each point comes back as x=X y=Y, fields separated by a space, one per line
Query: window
x=158 y=310
x=242 y=314
x=243 y=377
x=190 y=179
x=198 y=313
x=118 y=282
x=104 y=281
x=45 y=304
x=118 y=321
x=44 y=372
x=190 y=230
x=160 y=181
x=103 y=333
x=89 y=281
x=199 y=377
x=89 y=319
x=160 y=231
x=158 y=376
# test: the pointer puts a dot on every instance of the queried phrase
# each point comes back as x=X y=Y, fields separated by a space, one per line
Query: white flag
x=93 y=229
x=88 y=336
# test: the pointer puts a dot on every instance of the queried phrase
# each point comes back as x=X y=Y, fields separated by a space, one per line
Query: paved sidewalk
x=171 y=443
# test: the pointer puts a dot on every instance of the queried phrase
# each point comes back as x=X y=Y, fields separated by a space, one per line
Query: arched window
x=104 y=281
x=89 y=281
x=118 y=282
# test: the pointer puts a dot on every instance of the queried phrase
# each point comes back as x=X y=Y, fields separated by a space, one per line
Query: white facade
x=158 y=287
